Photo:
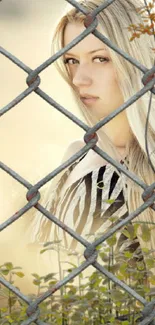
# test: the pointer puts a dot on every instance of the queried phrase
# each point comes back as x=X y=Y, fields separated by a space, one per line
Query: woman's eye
x=70 y=61
x=73 y=61
x=101 y=59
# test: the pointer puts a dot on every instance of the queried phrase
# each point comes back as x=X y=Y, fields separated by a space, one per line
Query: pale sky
x=33 y=135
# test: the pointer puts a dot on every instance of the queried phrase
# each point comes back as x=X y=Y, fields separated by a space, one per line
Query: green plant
x=93 y=300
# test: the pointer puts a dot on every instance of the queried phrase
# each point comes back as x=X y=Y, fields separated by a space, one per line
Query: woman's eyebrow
x=101 y=49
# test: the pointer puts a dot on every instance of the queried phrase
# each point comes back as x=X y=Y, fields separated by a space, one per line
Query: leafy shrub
x=95 y=299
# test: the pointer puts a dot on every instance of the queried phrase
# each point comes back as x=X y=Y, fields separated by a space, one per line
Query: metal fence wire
x=33 y=195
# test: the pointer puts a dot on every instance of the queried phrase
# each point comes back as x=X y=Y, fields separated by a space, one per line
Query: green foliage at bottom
x=95 y=300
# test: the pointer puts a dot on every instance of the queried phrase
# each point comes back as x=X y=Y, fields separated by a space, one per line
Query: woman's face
x=93 y=74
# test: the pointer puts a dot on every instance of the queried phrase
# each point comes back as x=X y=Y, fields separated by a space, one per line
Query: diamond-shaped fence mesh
x=33 y=195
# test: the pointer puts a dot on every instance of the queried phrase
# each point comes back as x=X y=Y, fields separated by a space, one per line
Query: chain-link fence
x=33 y=195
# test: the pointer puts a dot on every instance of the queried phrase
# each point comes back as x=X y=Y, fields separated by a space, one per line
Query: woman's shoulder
x=86 y=164
x=90 y=158
x=73 y=148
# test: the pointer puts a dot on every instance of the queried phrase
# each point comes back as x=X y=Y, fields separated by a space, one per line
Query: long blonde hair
x=115 y=19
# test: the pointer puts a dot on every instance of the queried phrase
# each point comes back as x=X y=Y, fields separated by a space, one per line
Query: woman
x=103 y=80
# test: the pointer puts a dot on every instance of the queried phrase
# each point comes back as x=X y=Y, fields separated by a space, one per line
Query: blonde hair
x=115 y=19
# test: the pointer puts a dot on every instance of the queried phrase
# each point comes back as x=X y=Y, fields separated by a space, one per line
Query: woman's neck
x=122 y=152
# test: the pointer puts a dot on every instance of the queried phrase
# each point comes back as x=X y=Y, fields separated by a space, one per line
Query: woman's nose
x=82 y=77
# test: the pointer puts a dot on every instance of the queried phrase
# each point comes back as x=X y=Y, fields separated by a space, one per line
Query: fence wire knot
x=91 y=138
x=90 y=18
x=33 y=310
x=90 y=252
x=148 y=193
x=148 y=310
x=32 y=80
x=31 y=194
x=148 y=76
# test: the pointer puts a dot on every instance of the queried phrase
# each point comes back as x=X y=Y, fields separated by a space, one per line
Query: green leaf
x=110 y=201
x=51 y=243
x=49 y=277
x=47 y=249
x=117 y=295
x=98 y=247
x=126 y=233
x=5 y=272
x=136 y=226
x=48 y=243
x=36 y=282
x=123 y=268
x=145 y=250
x=17 y=268
x=9 y=266
x=140 y=265
x=152 y=279
x=112 y=240
x=128 y=254
x=103 y=289
x=36 y=276
x=19 y=274
x=104 y=256
x=13 y=300
x=113 y=219
x=145 y=233
x=131 y=231
x=52 y=283
x=150 y=263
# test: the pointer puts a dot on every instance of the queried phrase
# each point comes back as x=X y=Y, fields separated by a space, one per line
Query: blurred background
x=33 y=135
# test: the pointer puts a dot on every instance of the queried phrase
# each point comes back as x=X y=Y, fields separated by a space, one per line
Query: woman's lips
x=90 y=100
